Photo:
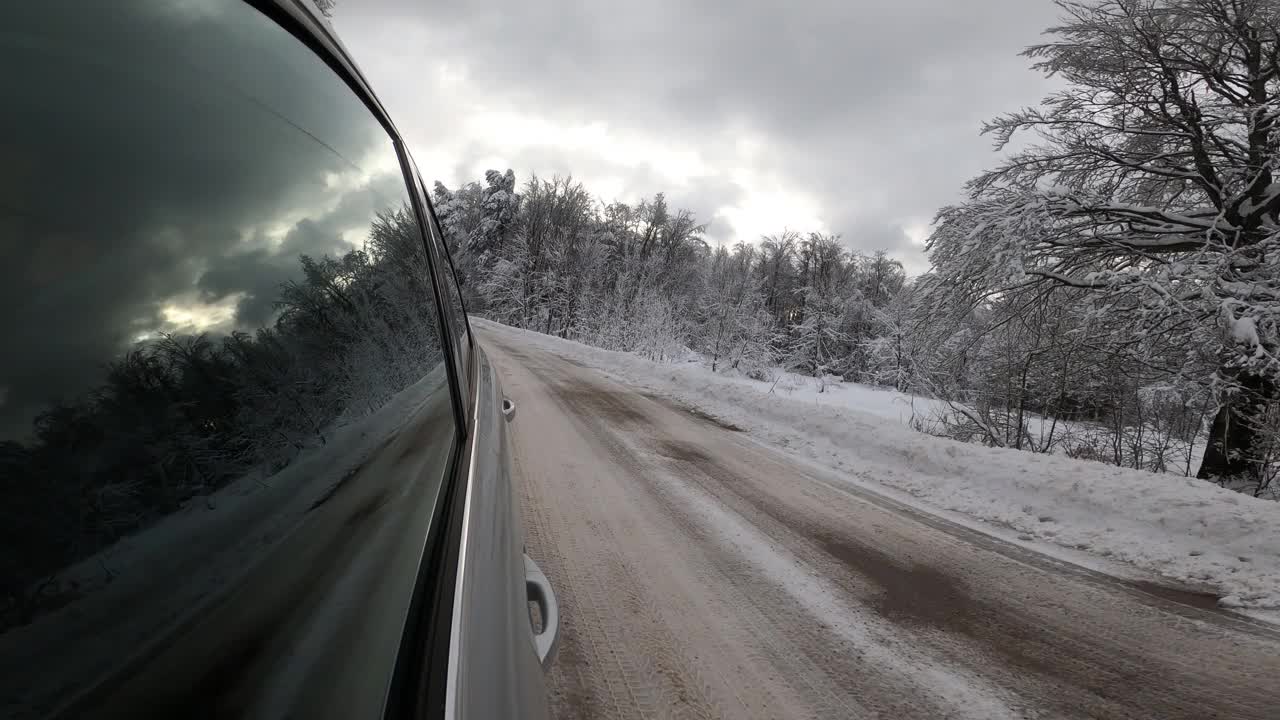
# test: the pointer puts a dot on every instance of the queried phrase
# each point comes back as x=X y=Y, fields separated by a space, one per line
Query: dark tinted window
x=224 y=415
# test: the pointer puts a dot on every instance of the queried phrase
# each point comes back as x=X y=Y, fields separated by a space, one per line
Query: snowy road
x=702 y=574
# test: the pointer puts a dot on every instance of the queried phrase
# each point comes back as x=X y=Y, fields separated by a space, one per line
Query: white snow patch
x=1245 y=330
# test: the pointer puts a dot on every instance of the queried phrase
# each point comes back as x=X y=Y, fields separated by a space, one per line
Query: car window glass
x=224 y=413
x=451 y=279
x=454 y=297
x=455 y=309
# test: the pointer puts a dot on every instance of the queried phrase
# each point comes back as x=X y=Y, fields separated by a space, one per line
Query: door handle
x=539 y=591
x=508 y=409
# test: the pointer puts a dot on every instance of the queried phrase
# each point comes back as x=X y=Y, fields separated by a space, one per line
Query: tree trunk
x=1022 y=400
x=715 y=359
x=1231 y=452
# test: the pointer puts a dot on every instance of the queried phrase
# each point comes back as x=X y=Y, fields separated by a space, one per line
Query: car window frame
x=427 y=635
x=444 y=243
x=440 y=249
x=459 y=373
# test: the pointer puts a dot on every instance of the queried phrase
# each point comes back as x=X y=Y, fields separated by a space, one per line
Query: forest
x=1108 y=291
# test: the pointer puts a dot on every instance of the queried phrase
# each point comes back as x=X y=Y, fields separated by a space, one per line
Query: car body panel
x=494 y=671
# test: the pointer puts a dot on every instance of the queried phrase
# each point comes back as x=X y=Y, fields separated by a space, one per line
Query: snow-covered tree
x=735 y=327
x=1152 y=185
x=477 y=221
x=817 y=343
x=892 y=346
x=777 y=274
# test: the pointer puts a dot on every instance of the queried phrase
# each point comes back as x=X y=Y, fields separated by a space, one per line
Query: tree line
x=1110 y=292
x=642 y=278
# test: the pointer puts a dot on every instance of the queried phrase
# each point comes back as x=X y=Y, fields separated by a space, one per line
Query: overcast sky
x=853 y=117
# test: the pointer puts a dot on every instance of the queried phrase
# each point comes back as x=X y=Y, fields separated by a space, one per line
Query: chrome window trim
x=455 y=623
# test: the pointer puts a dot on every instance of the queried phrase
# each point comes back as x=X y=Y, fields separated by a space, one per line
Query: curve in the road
x=702 y=574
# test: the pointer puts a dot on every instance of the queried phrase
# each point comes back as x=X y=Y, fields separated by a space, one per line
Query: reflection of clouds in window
x=355 y=237
x=349 y=200
x=267 y=255
x=189 y=315
x=187 y=195
x=374 y=167
x=187 y=12
x=272 y=237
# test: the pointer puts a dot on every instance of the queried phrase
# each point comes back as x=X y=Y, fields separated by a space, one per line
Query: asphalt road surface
x=703 y=575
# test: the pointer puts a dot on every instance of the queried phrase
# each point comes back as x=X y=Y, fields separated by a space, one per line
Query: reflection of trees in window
x=182 y=415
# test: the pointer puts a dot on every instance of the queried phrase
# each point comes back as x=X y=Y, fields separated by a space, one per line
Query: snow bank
x=1184 y=529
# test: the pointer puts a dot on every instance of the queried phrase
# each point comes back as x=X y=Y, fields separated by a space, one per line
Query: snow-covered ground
x=1183 y=529
x=923 y=413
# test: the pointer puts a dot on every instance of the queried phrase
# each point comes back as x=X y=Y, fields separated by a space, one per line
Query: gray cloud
x=871 y=108
x=703 y=199
x=205 y=134
x=258 y=272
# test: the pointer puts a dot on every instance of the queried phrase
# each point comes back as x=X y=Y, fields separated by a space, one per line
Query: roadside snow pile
x=1184 y=529
x=925 y=413
x=881 y=402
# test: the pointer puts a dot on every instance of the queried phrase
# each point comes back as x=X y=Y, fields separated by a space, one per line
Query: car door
x=237 y=434
x=495 y=663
